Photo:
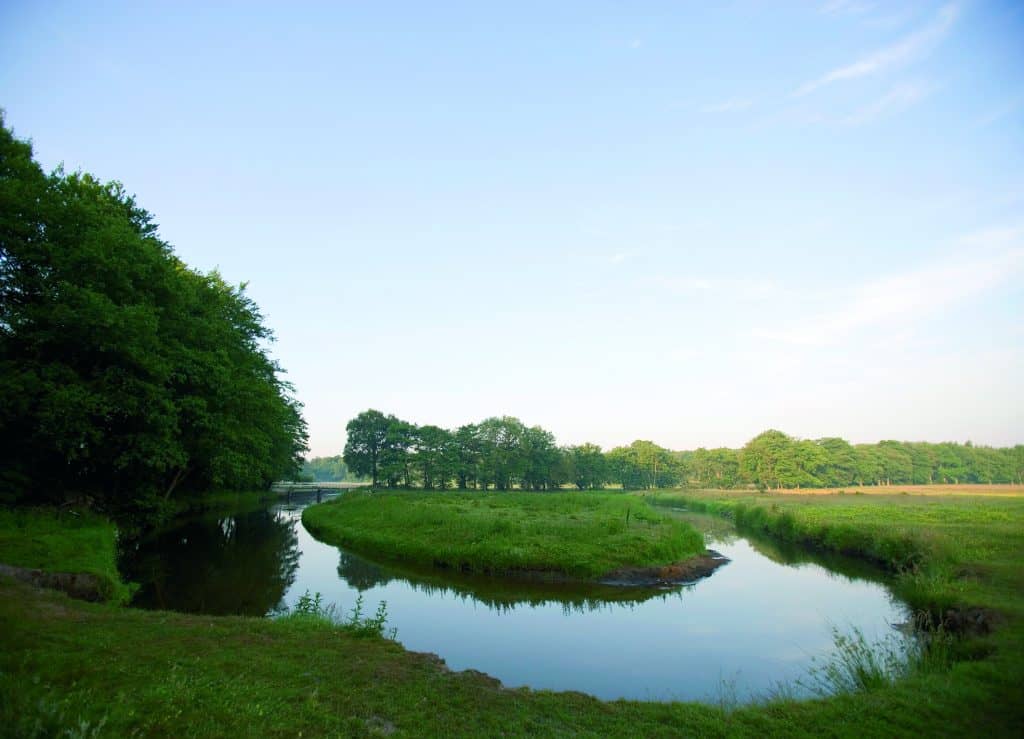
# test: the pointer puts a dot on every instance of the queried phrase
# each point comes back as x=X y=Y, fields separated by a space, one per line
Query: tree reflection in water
x=497 y=592
x=241 y=564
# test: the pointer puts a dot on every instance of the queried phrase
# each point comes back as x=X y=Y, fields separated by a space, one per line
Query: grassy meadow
x=580 y=535
x=79 y=669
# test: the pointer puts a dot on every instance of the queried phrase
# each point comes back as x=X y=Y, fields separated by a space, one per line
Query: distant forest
x=503 y=453
x=327 y=469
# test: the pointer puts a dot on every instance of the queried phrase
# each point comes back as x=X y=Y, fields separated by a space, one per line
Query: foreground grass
x=74 y=668
x=582 y=535
x=67 y=664
x=62 y=541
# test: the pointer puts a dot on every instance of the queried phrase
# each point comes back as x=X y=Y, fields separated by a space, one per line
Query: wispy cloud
x=909 y=48
x=744 y=288
x=1008 y=107
x=984 y=260
x=888 y=21
x=732 y=105
x=845 y=7
x=899 y=98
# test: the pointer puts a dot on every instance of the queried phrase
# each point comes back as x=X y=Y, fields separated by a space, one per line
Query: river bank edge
x=51 y=640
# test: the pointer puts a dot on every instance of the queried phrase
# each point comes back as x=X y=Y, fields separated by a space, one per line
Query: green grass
x=68 y=667
x=580 y=535
x=945 y=550
x=64 y=541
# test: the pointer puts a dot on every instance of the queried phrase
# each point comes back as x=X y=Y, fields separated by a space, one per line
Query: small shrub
x=310 y=609
x=369 y=625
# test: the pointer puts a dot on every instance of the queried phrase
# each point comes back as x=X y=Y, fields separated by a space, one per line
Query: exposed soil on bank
x=79 y=585
x=658 y=576
x=677 y=573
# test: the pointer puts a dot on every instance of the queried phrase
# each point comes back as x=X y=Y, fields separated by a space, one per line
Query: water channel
x=756 y=623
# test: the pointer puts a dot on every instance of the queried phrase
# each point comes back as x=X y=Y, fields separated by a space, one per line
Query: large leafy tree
x=367 y=434
x=644 y=464
x=542 y=468
x=126 y=375
x=468 y=455
x=396 y=454
x=762 y=456
x=897 y=463
x=435 y=456
x=715 y=468
x=503 y=455
x=840 y=466
x=588 y=466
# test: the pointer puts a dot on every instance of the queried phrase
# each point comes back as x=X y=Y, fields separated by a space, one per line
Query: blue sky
x=617 y=220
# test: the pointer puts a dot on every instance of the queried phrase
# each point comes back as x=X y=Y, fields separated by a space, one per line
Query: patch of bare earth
x=677 y=573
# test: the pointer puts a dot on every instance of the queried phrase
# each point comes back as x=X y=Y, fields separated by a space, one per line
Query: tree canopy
x=126 y=375
x=499 y=453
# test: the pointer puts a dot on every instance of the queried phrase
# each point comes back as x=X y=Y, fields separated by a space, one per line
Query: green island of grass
x=583 y=536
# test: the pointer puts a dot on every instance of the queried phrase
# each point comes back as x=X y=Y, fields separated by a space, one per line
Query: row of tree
x=125 y=375
x=774 y=460
x=499 y=453
x=502 y=453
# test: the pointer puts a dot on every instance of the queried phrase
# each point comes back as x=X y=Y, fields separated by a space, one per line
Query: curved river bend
x=755 y=624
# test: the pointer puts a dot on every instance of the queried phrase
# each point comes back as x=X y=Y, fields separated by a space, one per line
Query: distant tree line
x=497 y=453
x=503 y=453
x=327 y=469
x=126 y=376
x=774 y=460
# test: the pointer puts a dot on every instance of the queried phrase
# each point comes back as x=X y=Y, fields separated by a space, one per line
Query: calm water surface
x=755 y=623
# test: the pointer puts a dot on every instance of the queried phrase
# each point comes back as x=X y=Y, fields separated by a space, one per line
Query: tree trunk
x=182 y=471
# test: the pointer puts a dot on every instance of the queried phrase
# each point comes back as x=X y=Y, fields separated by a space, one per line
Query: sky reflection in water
x=755 y=623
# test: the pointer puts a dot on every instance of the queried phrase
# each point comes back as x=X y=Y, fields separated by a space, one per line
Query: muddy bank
x=958 y=621
x=677 y=573
x=80 y=585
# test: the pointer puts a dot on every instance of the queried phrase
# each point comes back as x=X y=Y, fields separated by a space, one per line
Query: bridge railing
x=284 y=487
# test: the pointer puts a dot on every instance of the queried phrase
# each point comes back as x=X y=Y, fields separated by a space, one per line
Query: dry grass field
x=966 y=489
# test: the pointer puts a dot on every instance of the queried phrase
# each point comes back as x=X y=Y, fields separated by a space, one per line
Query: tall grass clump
x=310 y=611
x=857 y=664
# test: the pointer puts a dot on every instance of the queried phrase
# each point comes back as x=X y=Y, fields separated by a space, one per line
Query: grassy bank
x=67 y=665
x=63 y=541
x=582 y=535
x=945 y=550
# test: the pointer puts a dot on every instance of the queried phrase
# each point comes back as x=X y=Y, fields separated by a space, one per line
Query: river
x=761 y=621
